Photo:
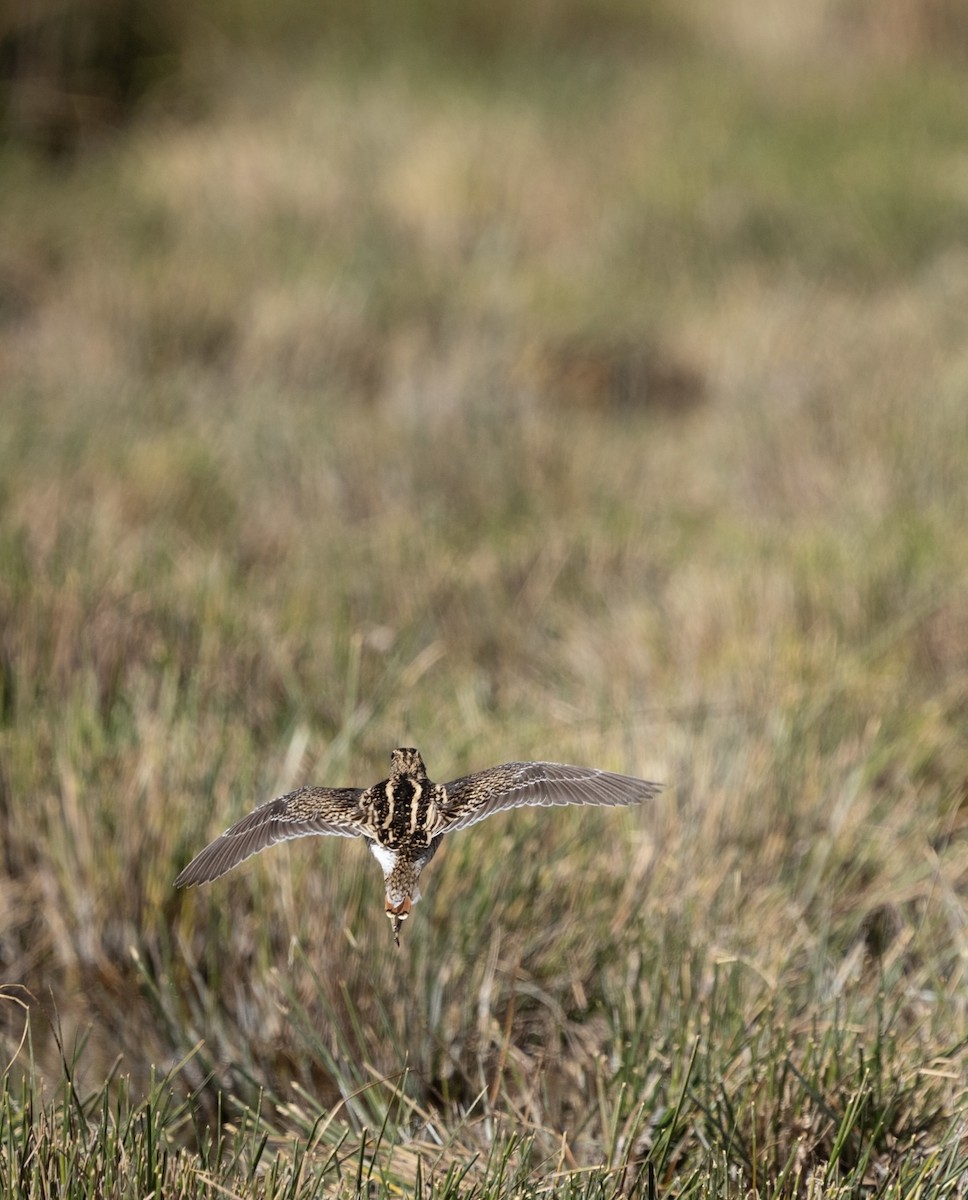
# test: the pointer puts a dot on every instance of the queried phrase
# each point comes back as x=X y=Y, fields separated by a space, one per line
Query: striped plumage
x=405 y=816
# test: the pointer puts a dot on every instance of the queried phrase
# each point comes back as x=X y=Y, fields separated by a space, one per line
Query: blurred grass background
x=585 y=381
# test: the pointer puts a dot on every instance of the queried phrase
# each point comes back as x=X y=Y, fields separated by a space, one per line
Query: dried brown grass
x=277 y=497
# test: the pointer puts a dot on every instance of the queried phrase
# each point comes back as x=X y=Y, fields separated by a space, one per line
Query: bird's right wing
x=473 y=797
x=310 y=810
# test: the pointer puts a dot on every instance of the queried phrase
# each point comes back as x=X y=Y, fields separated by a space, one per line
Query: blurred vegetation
x=74 y=71
x=604 y=401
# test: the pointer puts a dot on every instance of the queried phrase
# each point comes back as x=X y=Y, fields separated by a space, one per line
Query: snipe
x=404 y=817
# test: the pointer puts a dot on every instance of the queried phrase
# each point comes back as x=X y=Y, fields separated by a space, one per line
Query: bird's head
x=398 y=913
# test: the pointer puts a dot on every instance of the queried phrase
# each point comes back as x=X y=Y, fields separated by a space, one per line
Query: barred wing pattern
x=473 y=797
x=310 y=810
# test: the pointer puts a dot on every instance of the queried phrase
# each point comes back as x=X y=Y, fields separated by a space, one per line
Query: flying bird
x=405 y=817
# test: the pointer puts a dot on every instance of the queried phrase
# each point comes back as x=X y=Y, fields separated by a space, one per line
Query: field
x=603 y=401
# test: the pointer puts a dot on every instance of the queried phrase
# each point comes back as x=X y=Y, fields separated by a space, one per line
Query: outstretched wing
x=473 y=797
x=310 y=810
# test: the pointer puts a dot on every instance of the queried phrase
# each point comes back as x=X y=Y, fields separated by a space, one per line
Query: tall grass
x=618 y=421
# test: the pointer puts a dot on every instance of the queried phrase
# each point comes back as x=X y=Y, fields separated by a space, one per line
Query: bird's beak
x=398 y=913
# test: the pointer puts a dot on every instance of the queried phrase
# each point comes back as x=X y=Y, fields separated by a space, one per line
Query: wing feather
x=472 y=798
x=310 y=810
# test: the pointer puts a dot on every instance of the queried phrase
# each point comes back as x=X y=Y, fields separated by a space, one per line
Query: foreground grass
x=710 y=1101
x=616 y=420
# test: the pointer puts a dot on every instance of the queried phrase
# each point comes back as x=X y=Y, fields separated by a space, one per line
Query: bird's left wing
x=310 y=810
x=473 y=797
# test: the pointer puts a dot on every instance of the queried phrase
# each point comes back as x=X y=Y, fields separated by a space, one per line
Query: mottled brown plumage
x=405 y=816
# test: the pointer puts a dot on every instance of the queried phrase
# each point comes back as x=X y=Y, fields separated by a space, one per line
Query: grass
x=591 y=412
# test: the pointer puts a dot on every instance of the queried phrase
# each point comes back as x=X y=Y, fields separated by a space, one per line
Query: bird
x=405 y=817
